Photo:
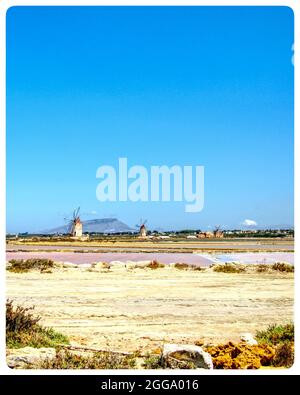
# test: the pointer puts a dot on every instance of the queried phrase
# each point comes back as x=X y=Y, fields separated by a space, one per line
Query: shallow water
x=195 y=259
x=113 y=256
x=192 y=245
x=255 y=257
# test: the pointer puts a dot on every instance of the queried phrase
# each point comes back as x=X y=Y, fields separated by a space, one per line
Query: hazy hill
x=103 y=225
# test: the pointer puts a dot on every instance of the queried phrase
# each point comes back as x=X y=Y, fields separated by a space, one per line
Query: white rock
x=175 y=356
x=137 y=264
x=117 y=263
x=248 y=339
x=100 y=266
x=69 y=264
x=28 y=356
x=83 y=265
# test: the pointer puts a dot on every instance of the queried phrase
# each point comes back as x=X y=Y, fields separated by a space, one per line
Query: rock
x=181 y=356
x=241 y=356
x=28 y=357
x=100 y=267
x=83 y=265
x=70 y=265
x=117 y=265
x=137 y=264
x=248 y=339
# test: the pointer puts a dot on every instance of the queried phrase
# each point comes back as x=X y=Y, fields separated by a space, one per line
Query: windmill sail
x=74 y=224
x=142 y=228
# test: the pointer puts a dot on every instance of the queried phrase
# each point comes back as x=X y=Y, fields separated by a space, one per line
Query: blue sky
x=209 y=86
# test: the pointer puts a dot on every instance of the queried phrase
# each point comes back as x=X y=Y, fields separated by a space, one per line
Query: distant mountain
x=103 y=225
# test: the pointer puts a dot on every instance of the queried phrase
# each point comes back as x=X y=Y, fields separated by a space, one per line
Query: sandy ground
x=127 y=310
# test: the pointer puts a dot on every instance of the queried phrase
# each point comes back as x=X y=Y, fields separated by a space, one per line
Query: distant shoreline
x=116 y=245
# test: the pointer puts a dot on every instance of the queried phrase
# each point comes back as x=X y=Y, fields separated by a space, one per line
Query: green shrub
x=23 y=266
x=152 y=361
x=104 y=360
x=22 y=329
x=276 y=334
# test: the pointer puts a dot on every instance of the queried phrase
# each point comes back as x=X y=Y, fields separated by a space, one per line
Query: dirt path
x=142 y=308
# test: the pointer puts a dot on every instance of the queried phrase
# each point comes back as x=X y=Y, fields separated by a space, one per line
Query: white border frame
x=4 y=5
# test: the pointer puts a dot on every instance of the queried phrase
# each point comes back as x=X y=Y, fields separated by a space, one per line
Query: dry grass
x=277 y=267
x=186 y=266
x=262 y=268
x=24 y=266
x=228 y=268
x=104 y=360
x=155 y=265
x=284 y=355
x=283 y=267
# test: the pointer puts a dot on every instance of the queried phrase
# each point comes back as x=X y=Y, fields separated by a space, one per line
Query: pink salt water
x=78 y=257
x=167 y=258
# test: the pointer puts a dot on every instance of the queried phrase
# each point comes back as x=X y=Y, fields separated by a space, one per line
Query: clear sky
x=209 y=86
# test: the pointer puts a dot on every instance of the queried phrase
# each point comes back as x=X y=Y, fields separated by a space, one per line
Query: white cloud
x=249 y=222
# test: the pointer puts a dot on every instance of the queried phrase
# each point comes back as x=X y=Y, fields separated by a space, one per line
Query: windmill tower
x=218 y=233
x=75 y=224
x=142 y=229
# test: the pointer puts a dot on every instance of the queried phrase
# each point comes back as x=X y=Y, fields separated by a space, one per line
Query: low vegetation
x=155 y=265
x=283 y=267
x=23 y=329
x=277 y=267
x=228 y=268
x=104 y=360
x=186 y=266
x=23 y=266
x=181 y=266
x=276 y=334
x=284 y=355
x=281 y=337
x=262 y=268
x=153 y=361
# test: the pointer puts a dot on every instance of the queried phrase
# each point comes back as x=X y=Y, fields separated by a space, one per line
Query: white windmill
x=75 y=224
x=142 y=228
